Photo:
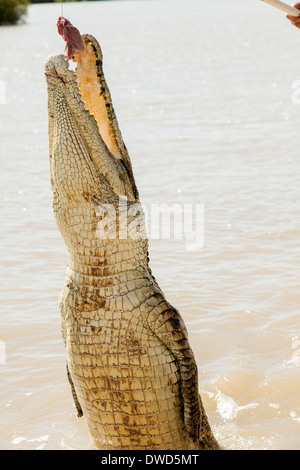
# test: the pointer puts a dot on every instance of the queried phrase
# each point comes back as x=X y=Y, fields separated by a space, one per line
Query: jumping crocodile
x=129 y=362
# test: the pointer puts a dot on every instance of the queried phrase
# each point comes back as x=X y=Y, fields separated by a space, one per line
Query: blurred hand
x=294 y=19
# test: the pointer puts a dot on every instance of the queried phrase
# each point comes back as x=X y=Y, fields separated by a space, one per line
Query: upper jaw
x=57 y=69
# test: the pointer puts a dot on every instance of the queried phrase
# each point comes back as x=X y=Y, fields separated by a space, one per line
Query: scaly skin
x=130 y=365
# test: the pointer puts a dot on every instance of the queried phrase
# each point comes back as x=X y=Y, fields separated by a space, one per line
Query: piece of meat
x=70 y=34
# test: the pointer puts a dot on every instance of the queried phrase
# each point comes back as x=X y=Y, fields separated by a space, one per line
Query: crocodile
x=132 y=371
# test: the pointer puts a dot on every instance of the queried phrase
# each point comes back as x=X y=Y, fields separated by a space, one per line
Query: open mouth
x=95 y=93
x=89 y=100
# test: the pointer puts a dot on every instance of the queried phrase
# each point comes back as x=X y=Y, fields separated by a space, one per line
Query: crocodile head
x=88 y=158
x=89 y=163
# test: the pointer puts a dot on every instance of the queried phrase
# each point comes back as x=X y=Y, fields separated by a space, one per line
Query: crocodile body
x=132 y=371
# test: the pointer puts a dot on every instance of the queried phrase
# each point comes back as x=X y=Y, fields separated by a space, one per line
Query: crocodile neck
x=113 y=270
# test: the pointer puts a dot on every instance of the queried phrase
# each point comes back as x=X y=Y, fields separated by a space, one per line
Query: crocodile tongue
x=88 y=58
